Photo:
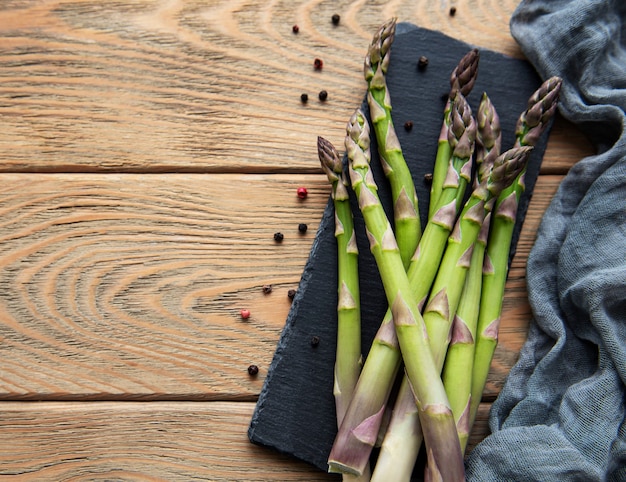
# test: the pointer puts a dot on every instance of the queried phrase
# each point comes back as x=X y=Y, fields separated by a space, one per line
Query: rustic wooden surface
x=148 y=152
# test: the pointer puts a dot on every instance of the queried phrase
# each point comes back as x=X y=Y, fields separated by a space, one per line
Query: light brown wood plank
x=131 y=286
x=190 y=85
x=144 y=441
x=138 y=441
x=566 y=146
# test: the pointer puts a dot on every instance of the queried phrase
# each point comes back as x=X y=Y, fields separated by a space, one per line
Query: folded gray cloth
x=561 y=413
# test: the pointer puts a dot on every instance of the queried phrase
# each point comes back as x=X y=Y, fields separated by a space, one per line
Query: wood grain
x=159 y=441
x=196 y=86
x=131 y=286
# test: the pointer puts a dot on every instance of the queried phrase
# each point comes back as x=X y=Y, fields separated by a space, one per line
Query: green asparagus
x=348 y=358
x=405 y=205
x=442 y=443
x=384 y=359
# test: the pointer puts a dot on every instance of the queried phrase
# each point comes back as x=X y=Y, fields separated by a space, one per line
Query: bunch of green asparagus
x=444 y=284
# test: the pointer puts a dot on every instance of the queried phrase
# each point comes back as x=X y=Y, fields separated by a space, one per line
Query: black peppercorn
x=291 y=294
x=295 y=29
x=323 y=95
x=315 y=340
x=302 y=228
x=422 y=62
x=253 y=370
x=267 y=289
x=408 y=125
x=318 y=64
x=278 y=237
x=428 y=178
x=452 y=11
x=304 y=98
x=335 y=19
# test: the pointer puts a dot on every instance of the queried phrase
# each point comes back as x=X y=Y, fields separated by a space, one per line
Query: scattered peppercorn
x=278 y=237
x=267 y=289
x=302 y=228
x=428 y=178
x=323 y=95
x=245 y=314
x=291 y=294
x=304 y=98
x=302 y=192
x=253 y=370
x=295 y=29
x=335 y=19
x=408 y=125
x=452 y=11
x=318 y=64
x=422 y=62
x=315 y=340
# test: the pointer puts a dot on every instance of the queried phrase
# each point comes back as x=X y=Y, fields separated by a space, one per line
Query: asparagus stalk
x=381 y=366
x=436 y=417
x=405 y=204
x=348 y=359
x=462 y=80
x=457 y=373
x=530 y=126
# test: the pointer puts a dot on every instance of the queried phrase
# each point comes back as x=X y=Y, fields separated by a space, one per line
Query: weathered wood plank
x=194 y=85
x=131 y=286
x=144 y=441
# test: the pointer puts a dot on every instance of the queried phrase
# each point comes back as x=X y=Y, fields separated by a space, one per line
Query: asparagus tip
x=541 y=108
x=462 y=127
x=464 y=75
x=378 y=51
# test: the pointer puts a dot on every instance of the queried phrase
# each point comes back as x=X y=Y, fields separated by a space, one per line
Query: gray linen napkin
x=561 y=413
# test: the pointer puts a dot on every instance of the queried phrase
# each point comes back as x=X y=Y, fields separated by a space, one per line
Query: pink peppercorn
x=302 y=192
x=245 y=314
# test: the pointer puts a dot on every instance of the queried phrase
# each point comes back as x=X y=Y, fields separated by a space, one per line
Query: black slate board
x=295 y=413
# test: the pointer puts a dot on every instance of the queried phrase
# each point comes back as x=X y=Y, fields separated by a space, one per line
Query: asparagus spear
x=530 y=126
x=462 y=80
x=457 y=373
x=437 y=421
x=405 y=204
x=383 y=361
x=348 y=358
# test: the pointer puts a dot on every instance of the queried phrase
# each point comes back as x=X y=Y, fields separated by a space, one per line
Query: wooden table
x=148 y=152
